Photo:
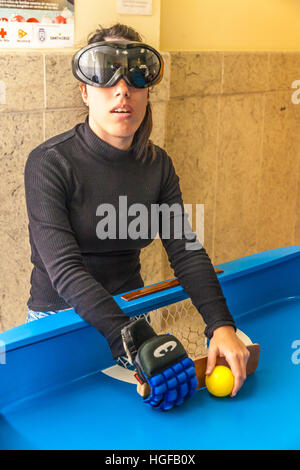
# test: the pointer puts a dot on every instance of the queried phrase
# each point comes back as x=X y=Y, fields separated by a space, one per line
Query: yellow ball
x=220 y=382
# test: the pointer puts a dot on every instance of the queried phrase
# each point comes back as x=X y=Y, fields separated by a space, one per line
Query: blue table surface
x=98 y=412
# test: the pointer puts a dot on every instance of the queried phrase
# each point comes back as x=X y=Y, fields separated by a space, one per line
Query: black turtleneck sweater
x=66 y=179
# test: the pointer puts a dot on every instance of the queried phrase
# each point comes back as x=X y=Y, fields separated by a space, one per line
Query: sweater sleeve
x=189 y=260
x=48 y=187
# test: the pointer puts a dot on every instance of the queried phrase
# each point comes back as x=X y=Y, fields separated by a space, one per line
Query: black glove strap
x=134 y=335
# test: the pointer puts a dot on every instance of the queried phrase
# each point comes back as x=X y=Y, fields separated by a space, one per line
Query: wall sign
x=135 y=7
x=36 y=23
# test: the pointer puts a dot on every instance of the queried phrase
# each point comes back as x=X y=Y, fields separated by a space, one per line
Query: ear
x=84 y=94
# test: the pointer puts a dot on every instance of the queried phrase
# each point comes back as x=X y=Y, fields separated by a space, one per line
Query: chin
x=123 y=133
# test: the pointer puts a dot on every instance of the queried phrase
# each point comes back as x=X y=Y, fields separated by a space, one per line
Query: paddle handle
x=156 y=288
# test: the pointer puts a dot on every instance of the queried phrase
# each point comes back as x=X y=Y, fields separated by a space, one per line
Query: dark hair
x=144 y=147
x=116 y=31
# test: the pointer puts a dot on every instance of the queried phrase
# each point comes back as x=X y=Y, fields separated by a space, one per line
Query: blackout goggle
x=103 y=64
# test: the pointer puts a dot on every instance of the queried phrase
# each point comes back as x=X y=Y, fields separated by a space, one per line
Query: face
x=115 y=113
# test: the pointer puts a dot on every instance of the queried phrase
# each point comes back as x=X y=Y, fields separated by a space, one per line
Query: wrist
x=221 y=330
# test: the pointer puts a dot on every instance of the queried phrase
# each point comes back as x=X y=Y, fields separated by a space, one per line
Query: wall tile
x=161 y=92
x=296 y=238
x=284 y=70
x=62 y=88
x=279 y=178
x=195 y=73
x=159 y=117
x=239 y=160
x=58 y=121
x=23 y=77
x=191 y=141
x=245 y=72
x=152 y=266
x=21 y=133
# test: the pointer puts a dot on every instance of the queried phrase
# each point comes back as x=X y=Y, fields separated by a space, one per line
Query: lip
x=125 y=107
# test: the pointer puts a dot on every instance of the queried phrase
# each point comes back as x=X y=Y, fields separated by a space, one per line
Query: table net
x=182 y=320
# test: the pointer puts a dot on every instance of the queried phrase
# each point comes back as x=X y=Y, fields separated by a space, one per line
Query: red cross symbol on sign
x=3 y=33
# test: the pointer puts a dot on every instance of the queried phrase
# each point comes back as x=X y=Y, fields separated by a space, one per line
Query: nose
x=121 y=88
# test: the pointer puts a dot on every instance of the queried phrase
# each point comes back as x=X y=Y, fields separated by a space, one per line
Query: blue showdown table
x=54 y=395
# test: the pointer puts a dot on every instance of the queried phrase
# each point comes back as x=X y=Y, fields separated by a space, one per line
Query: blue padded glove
x=162 y=362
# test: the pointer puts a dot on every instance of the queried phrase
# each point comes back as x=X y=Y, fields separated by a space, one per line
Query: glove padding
x=162 y=362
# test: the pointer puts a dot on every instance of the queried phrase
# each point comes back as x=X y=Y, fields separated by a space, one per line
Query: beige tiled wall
x=234 y=136
x=227 y=121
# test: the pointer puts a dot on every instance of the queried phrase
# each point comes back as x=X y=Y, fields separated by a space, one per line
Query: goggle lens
x=104 y=63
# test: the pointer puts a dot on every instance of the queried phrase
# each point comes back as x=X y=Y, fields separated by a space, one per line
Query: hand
x=225 y=343
x=165 y=372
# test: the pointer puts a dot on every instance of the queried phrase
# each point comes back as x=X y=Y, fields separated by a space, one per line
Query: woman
x=71 y=178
